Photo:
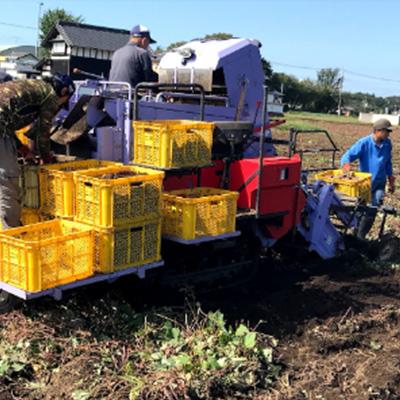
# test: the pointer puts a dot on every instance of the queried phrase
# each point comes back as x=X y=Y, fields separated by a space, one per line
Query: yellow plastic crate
x=57 y=185
x=118 y=196
x=354 y=184
x=172 y=143
x=30 y=186
x=192 y=213
x=30 y=216
x=125 y=247
x=44 y=255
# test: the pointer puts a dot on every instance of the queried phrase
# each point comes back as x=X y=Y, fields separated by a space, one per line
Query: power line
x=359 y=74
x=378 y=78
x=295 y=66
x=18 y=26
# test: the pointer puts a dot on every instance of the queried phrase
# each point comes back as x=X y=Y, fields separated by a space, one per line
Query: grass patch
x=309 y=121
x=294 y=115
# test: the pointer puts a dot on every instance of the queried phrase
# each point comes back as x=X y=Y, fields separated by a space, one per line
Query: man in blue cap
x=132 y=63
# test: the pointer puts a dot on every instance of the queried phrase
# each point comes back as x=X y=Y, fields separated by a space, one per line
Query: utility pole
x=38 y=30
x=341 y=79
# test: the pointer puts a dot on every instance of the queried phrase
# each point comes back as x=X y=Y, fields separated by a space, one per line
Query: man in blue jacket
x=374 y=153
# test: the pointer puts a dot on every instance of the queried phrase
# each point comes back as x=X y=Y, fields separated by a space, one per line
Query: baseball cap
x=61 y=81
x=381 y=124
x=141 y=31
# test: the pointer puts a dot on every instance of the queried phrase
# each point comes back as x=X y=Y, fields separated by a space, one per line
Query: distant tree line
x=323 y=94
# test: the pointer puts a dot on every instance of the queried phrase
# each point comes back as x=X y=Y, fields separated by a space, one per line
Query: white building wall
x=275 y=103
x=370 y=118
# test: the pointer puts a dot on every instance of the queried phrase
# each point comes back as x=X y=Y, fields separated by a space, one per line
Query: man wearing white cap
x=132 y=63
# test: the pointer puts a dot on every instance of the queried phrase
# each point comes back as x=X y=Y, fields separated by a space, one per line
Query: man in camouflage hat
x=23 y=103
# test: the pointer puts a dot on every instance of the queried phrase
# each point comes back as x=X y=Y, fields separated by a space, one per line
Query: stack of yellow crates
x=57 y=187
x=108 y=218
x=43 y=255
x=188 y=214
x=122 y=204
x=29 y=183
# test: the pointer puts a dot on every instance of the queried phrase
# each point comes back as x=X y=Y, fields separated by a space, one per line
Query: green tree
x=291 y=87
x=329 y=79
x=50 y=18
x=174 y=45
x=267 y=67
x=210 y=36
x=218 y=36
x=158 y=51
x=329 y=83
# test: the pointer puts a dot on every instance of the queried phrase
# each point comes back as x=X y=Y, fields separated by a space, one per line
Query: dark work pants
x=10 y=199
x=368 y=220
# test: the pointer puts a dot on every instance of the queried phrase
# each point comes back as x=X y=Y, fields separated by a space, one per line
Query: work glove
x=392 y=186
x=346 y=167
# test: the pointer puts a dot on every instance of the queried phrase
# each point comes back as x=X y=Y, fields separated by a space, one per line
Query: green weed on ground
x=91 y=349
x=201 y=358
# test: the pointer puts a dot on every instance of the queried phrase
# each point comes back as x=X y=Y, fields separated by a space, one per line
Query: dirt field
x=338 y=330
x=337 y=325
x=346 y=343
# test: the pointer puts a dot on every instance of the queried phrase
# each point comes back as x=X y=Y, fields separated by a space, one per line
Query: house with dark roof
x=86 y=47
x=19 y=61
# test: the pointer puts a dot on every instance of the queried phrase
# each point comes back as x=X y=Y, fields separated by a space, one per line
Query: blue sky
x=361 y=36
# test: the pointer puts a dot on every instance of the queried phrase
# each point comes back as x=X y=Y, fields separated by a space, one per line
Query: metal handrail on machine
x=171 y=86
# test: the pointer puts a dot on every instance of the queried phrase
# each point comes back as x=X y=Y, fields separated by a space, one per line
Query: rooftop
x=88 y=36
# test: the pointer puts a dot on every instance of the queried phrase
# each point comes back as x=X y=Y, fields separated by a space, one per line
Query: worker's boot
x=365 y=225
